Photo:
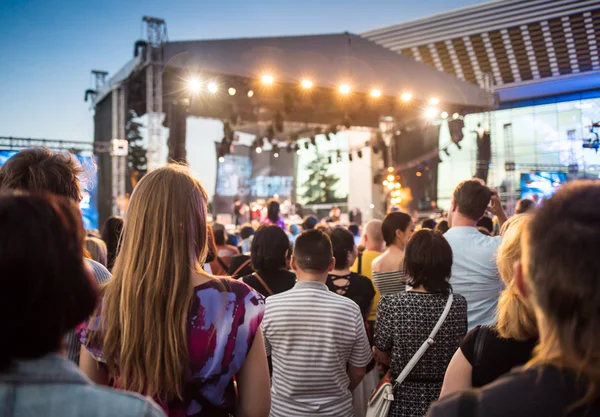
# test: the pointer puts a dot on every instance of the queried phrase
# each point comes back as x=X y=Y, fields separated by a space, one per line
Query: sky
x=47 y=48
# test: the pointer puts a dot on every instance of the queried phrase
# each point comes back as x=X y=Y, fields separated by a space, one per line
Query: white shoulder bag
x=383 y=397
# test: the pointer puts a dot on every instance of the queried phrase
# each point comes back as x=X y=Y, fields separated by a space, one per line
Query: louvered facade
x=516 y=41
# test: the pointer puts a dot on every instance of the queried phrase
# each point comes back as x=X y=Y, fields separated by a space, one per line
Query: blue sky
x=48 y=48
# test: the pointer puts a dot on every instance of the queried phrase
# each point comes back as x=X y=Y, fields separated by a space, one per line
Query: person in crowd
x=225 y=252
x=388 y=271
x=309 y=223
x=442 y=226
x=96 y=249
x=405 y=321
x=511 y=341
x=316 y=338
x=269 y=259
x=371 y=247
x=428 y=224
x=246 y=236
x=51 y=291
x=273 y=217
x=41 y=170
x=486 y=223
x=474 y=271
x=111 y=234
x=558 y=274
x=323 y=227
x=293 y=232
x=359 y=289
x=240 y=265
x=525 y=205
x=163 y=322
x=355 y=230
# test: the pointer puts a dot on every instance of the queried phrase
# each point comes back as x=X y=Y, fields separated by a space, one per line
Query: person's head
x=487 y=224
x=373 y=236
x=442 y=226
x=97 y=249
x=469 y=201
x=428 y=224
x=313 y=256
x=354 y=229
x=111 y=235
x=323 y=227
x=309 y=223
x=164 y=242
x=40 y=169
x=428 y=261
x=516 y=319
x=525 y=205
x=269 y=249
x=396 y=229
x=559 y=271
x=273 y=211
x=246 y=231
x=41 y=259
x=219 y=233
x=294 y=229
x=344 y=248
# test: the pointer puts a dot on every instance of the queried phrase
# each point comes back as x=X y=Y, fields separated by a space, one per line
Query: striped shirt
x=311 y=335
x=389 y=283
x=73 y=346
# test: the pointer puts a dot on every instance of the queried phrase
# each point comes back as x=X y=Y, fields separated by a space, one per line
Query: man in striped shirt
x=316 y=339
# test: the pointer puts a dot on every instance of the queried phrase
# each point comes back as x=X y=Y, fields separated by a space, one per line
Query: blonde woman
x=167 y=329
x=488 y=352
x=97 y=249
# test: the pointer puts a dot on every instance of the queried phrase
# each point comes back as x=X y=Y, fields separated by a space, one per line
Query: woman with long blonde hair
x=488 y=352
x=167 y=329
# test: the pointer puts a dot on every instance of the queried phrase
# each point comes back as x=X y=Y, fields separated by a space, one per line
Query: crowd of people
x=164 y=314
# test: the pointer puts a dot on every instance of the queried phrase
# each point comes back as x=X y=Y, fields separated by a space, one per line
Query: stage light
x=250 y=93
x=431 y=112
x=455 y=116
x=390 y=169
x=406 y=97
x=259 y=150
x=371 y=206
x=276 y=155
x=267 y=79
x=344 y=89
x=375 y=93
x=194 y=85
x=385 y=183
x=398 y=186
x=419 y=174
x=232 y=91
x=298 y=152
x=212 y=87
x=390 y=178
x=307 y=84
x=390 y=185
x=444 y=115
x=221 y=159
x=434 y=101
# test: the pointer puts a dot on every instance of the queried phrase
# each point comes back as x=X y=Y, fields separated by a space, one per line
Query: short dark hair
x=486 y=223
x=524 y=205
x=40 y=169
x=219 y=234
x=342 y=242
x=472 y=199
x=442 y=227
x=41 y=259
x=269 y=247
x=428 y=261
x=393 y=222
x=428 y=224
x=111 y=235
x=309 y=223
x=313 y=251
x=246 y=231
x=273 y=211
x=354 y=229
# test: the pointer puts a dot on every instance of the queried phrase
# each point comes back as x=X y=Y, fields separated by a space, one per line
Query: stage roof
x=328 y=61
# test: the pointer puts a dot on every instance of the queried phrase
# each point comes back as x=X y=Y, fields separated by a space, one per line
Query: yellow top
x=367 y=259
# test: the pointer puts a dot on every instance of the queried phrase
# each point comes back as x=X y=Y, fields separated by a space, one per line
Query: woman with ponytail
x=488 y=352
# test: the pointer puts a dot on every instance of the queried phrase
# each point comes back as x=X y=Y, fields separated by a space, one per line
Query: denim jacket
x=52 y=386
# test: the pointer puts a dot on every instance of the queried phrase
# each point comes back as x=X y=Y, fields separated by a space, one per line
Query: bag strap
x=222 y=263
x=263 y=283
x=242 y=266
x=430 y=341
x=479 y=343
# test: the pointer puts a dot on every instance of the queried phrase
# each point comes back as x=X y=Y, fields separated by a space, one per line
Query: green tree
x=320 y=186
x=136 y=159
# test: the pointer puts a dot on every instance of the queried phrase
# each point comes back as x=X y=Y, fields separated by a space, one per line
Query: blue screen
x=540 y=185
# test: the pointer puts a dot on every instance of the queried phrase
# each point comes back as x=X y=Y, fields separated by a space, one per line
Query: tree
x=320 y=186
x=136 y=159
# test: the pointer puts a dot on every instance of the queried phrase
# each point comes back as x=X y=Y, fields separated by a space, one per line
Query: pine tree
x=136 y=159
x=320 y=186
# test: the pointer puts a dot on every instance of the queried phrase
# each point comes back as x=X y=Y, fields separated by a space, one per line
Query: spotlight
x=232 y=91
x=434 y=101
x=397 y=186
x=431 y=112
x=212 y=87
x=276 y=155
x=221 y=159
x=390 y=169
x=306 y=84
x=419 y=174
x=267 y=79
x=444 y=115
x=375 y=93
x=390 y=177
x=259 y=150
x=298 y=152
x=344 y=89
x=455 y=116
x=194 y=85
x=250 y=93
x=406 y=97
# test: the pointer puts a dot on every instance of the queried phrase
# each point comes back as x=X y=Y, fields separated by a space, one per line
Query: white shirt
x=474 y=272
